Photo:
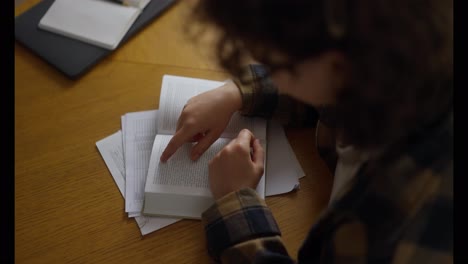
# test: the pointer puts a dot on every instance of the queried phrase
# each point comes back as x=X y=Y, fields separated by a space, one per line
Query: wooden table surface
x=67 y=206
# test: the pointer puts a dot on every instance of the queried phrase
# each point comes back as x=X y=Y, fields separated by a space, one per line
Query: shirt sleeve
x=240 y=228
x=260 y=97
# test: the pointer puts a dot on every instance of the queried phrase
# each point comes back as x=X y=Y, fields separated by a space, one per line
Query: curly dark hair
x=400 y=51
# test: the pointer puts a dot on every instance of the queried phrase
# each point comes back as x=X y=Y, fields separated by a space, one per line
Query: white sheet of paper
x=111 y=149
x=140 y=130
x=130 y=214
x=122 y=120
x=282 y=169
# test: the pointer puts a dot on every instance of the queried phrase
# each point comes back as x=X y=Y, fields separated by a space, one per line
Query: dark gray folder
x=70 y=56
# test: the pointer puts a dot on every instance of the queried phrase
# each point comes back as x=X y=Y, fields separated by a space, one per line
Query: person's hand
x=239 y=164
x=203 y=119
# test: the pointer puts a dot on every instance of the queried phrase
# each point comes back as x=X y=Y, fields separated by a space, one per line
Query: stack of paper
x=99 y=22
x=127 y=155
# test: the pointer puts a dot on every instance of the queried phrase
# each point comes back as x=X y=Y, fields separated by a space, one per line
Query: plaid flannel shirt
x=397 y=209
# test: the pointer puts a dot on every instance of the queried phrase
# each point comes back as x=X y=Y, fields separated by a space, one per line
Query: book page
x=111 y=150
x=176 y=91
x=180 y=170
x=283 y=169
x=140 y=130
x=182 y=175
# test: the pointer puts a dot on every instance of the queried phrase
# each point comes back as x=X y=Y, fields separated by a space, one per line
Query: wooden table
x=67 y=206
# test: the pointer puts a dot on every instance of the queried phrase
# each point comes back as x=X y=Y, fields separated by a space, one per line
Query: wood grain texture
x=155 y=43
x=67 y=206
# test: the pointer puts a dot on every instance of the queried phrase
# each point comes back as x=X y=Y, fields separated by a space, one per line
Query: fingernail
x=195 y=156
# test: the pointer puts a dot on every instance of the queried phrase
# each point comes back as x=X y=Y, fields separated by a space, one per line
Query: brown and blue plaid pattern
x=260 y=98
x=244 y=211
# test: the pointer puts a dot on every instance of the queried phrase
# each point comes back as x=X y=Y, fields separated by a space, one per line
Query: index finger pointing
x=174 y=144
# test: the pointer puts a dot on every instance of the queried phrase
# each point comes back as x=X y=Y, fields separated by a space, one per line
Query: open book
x=99 y=22
x=180 y=187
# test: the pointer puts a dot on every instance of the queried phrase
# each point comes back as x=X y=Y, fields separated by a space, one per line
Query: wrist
x=233 y=93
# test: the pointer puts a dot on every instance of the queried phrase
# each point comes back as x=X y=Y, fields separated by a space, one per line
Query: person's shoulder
x=417 y=188
x=427 y=235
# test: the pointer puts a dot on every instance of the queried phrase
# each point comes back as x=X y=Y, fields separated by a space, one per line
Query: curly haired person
x=380 y=76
